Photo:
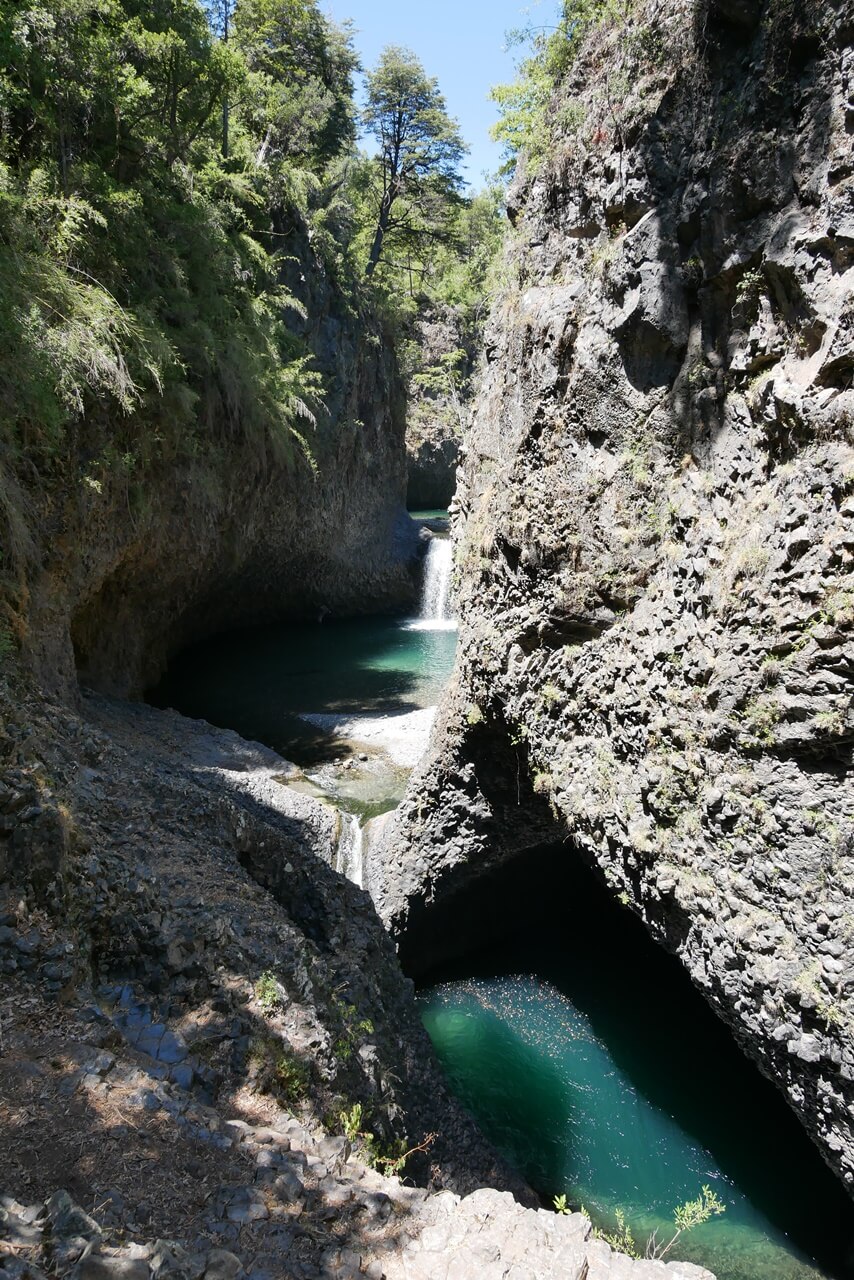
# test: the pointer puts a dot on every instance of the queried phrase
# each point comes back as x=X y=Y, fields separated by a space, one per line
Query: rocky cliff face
x=655 y=546
x=122 y=573
x=439 y=408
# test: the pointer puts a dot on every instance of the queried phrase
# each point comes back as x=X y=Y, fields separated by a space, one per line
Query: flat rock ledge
x=490 y=1236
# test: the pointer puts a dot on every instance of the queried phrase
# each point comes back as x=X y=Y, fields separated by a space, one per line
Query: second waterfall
x=436 y=613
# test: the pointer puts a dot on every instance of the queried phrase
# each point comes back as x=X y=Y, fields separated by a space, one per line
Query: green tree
x=416 y=178
x=302 y=97
x=527 y=106
x=137 y=269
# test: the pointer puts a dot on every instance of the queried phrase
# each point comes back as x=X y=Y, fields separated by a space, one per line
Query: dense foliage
x=137 y=263
x=164 y=167
x=529 y=110
x=452 y=286
x=428 y=249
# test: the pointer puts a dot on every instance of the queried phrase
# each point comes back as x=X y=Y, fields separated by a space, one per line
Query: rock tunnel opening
x=519 y=967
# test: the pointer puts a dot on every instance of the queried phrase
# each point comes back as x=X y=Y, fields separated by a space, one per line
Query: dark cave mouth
x=600 y=1072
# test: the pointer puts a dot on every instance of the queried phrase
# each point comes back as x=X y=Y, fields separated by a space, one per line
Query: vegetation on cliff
x=171 y=176
x=139 y=248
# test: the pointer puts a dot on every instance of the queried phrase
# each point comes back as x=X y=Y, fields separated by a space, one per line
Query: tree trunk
x=225 y=99
x=379 y=234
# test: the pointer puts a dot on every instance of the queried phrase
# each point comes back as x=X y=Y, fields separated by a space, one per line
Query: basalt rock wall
x=122 y=573
x=655 y=536
x=439 y=407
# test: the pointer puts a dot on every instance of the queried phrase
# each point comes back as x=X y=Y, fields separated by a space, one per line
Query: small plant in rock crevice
x=392 y=1159
x=389 y=1158
x=621 y=1238
x=353 y=1030
x=278 y=1070
x=351 y=1122
x=830 y=722
x=749 y=288
x=760 y=718
x=269 y=992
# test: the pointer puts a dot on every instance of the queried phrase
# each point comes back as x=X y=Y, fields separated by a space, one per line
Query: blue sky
x=461 y=42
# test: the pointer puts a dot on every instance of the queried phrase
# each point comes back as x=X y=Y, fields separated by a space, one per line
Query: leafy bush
x=529 y=113
x=687 y=1216
x=351 y=1122
x=141 y=250
x=268 y=992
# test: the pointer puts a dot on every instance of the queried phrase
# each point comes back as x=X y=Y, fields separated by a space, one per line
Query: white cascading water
x=350 y=856
x=436 y=611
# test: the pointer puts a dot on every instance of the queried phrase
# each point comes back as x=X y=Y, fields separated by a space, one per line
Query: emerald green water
x=259 y=681
x=600 y=1073
x=583 y=1050
x=437 y=514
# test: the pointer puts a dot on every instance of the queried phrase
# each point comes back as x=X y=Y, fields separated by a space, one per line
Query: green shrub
x=353 y=1029
x=530 y=109
x=686 y=1216
x=269 y=992
x=351 y=1122
x=279 y=1071
x=830 y=722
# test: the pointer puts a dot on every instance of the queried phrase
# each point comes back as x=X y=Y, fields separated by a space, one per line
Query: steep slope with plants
x=202 y=417
x=202 y=425
x=655 y=540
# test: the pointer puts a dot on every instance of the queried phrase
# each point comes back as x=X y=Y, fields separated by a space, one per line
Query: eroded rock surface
x=655 y=546
x=192 y=1008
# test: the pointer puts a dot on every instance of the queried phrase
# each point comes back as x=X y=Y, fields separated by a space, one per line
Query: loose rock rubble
x=176 y=1186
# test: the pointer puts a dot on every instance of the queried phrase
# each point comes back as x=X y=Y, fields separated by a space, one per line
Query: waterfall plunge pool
x=584 y=1051
x=349 y=701
x=261 y=682
x=599 y=1071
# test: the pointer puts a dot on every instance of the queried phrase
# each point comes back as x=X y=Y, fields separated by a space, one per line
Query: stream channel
x=582 y=1049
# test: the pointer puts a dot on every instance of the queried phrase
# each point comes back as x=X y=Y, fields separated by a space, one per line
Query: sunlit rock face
x=655 y=540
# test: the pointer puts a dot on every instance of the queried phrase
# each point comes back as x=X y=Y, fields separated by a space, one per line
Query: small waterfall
x=436 y=612
x=349 y=859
